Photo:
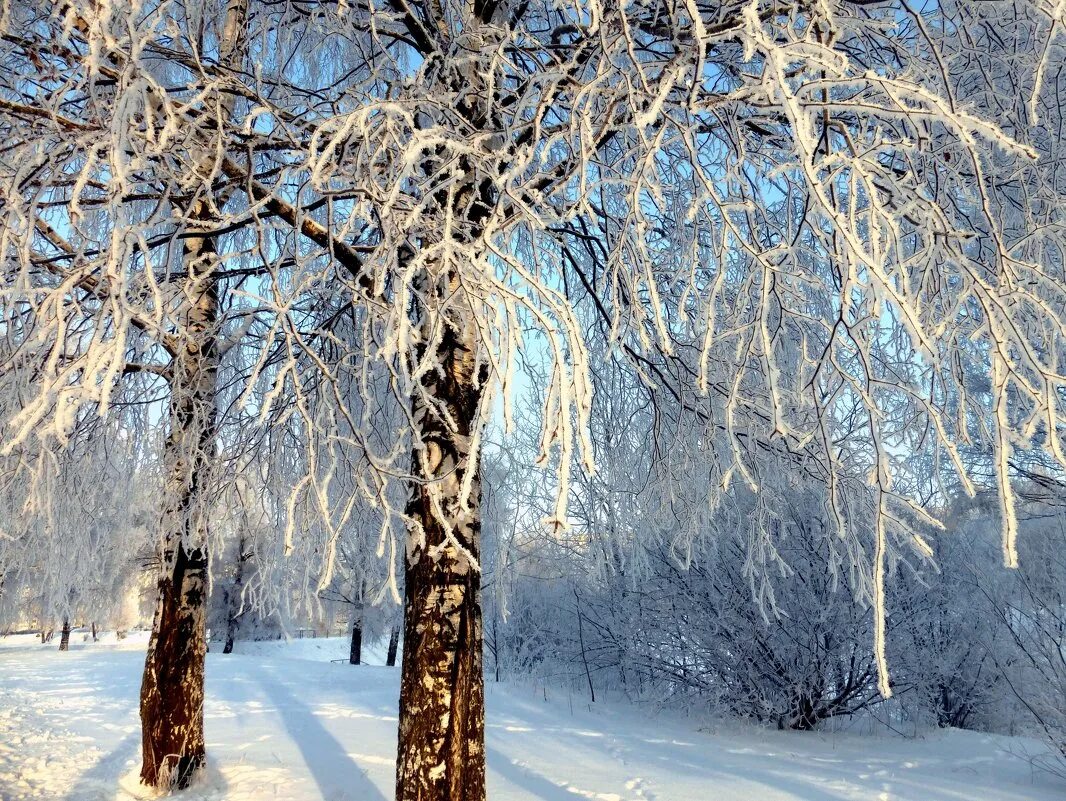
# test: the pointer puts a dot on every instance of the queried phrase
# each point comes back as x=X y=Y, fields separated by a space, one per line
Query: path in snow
x=284 y=723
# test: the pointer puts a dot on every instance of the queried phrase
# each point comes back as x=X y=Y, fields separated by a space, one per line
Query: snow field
x=286 y=723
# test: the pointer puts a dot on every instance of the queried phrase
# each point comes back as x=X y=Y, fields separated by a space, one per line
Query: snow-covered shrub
x=1034 y=618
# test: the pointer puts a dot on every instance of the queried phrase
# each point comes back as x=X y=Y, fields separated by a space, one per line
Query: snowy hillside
x=285 y=723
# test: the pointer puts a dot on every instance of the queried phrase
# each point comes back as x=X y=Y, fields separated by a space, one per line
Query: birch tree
x=110 y=273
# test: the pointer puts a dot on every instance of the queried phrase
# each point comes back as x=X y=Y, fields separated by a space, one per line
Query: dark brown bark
x=442 y=708
x=64 y=637
x=442 y=686
x=394 y=641
x=804 y=715
x=355 y=651
x=234 y=598
x=172 y=688
x=93 y=630
x=172 y=692
x=442 y=703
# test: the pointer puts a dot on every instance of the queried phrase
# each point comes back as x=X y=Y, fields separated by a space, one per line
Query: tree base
x=173 y=772
x=172 y=690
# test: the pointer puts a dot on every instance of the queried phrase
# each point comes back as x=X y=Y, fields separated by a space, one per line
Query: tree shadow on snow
x=102 y=779
x=326 y=758
x=106 y=778
x=540 y=787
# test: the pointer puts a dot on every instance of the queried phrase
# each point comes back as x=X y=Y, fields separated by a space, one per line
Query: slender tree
x=233 y=598
x=394 y=641
x=172 y=689
x=153 y=308
x=64 y=639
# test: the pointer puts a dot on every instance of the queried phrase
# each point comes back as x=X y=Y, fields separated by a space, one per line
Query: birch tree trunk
x=442 y=686
x=64 y=637
x=172 y=689
x=442 y=709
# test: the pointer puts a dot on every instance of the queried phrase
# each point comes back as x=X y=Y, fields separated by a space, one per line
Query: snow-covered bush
x=1034 y=618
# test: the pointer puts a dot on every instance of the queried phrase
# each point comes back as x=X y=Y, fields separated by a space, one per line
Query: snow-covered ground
x=283 y=722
